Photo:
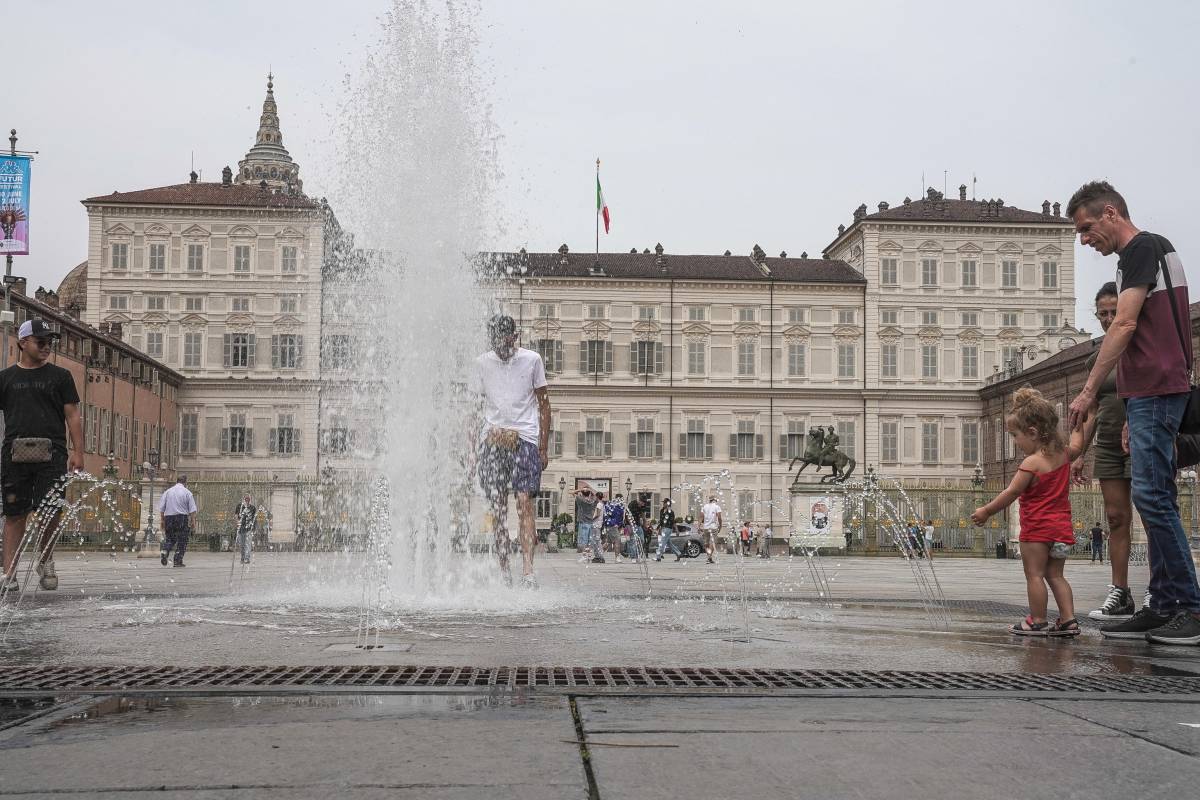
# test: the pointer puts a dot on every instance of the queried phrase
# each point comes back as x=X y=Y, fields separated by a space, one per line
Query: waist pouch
x=31 y=450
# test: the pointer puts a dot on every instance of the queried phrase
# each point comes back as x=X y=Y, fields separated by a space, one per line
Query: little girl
x=1043 y=482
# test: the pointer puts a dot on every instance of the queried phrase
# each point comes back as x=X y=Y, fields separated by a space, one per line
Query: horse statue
x=821 y=454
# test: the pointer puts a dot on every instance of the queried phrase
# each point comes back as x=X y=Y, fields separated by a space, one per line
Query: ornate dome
x=73 y=289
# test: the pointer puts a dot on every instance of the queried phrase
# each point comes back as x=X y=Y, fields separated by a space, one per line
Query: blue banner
x=14 y=205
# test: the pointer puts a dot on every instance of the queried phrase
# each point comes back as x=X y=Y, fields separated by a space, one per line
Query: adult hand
x=544 y=453
x=980 y=515
x=1078 y=474
x=74 y=462
x=1081 y=408
x=1125 y=438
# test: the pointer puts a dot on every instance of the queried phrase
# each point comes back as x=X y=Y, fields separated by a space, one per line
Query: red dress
x=1046 y=507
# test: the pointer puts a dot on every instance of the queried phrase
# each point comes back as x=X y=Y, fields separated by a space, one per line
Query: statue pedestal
x=816 y=512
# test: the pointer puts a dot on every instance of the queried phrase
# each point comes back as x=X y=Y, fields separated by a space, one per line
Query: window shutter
x=580 y=444
x=658 y=358
x=607 y=443
x=555 y=504
x=299 y=352
x=633 y=453
x=608 y=357
x=633 y=357
x=558 y=444
x=783 y=447
x=758 y=445
x=295 y=441
x=708 y=445
x=272 y=440
x=252 y=347
x=249 y=434
x=583 y=359
x=558 y=356
x=228 y=359
x=275 y=352
x=224 y=440
x=683 y=445
x=658 y=445
x=733 y=445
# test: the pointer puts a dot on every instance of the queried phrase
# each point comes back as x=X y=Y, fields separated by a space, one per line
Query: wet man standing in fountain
x=514 y=446
x=40 y=404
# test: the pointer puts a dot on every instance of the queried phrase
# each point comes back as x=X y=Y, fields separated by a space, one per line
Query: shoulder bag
x=1190 y=422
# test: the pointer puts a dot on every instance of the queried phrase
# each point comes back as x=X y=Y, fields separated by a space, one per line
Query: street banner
x=14 y=205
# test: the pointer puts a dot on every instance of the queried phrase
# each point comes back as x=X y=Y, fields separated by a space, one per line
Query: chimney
x=860 y=212
x=1046 y=207
x=1057 y=210
x=728 y=253
x=51 y=298
x=757 y=254
x=193 y=177
x=40 y=294
x=804 y=254
x=660 y=260
x=19 y=286
x=962 y=191
x=783 y=253
x=907 y=200
x=562 y=254
x=883 y=206
x=633 y=250
x=227 y=176
x=841 y=229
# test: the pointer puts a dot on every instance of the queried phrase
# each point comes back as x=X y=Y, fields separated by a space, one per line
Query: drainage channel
x=25 y=680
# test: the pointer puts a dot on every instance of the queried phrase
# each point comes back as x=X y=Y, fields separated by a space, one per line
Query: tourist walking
x=1097 y=544
x=244 y=514
x=1111 y=466
x=585 y=510
x=614 y=522
x=927 y=532
x=664 y=541
x=177 y=518
x=744 y=535
x=1043 y=482
x=40 y=404
x=1150 y=344
x=711 y=520
x=598 y=529
x=666 y=530
x=513 y=446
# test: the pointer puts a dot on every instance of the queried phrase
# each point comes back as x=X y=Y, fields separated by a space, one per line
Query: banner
x=816 y=522
x=14 y=205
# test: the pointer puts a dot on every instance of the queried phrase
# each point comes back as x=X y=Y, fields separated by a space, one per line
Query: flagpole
x=597 y=211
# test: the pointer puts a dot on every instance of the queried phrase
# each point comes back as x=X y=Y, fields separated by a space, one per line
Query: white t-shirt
x=709 y=512
x=177 y=500
x=507 y=389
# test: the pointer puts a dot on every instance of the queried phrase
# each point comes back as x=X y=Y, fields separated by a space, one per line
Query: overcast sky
x=720 y=125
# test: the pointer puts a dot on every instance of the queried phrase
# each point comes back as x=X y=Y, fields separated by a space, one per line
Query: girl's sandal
x=1065 y=628
x=1027 y=627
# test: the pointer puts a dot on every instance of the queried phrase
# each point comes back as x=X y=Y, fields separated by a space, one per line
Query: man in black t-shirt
x=1150 y=344
x=40 y=402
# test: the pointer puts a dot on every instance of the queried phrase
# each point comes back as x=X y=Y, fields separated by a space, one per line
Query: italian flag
x=601 y=206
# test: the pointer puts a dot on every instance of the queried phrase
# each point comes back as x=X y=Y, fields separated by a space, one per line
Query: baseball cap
x=37 y=327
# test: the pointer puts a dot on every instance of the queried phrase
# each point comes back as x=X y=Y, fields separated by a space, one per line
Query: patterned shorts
x=502 y=471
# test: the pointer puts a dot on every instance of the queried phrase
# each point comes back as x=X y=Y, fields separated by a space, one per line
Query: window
x=154 y=344
x=122 y=436
x=970 y=319
x=156 y=302
x=793 y=442
x=797 y=315
x=929 y=272
x=195 y=258
x=596 y=443
x=105 y=431
x=970 y=273
x=551 y=352
x=237 y=435
x=746 y=315
x=846 y=316
x=241 y=258
x=888 y=271
x=192 y=342
x=118 y=302
x=1049 y=320
x=889 y=317
x=195 y=303
x=697 y=444
x=1008 y=274
x=745 y=357
x=595 y=356
x=119 y=256
x=645 y=443
x=288 y=259
x=647 y=313
x=696 y=356
x=337 y=439
x=745 y=505
x=845 y=432
x=797 y=359
x=1010 y=357
x=1049 y=275
x=239 y=350
x=287 y=351
x=1008 y=319
x=889 y=441
x=697 y=313
x=595 y=311
x=239 y=305
x=133 y=443
x=929 y=318
x=189 y=433
x=646 y=358
x=544 y=504
x=970 y=361
x=287 y=304
x=546 y=310
x=970 y=442
x=846 y=361
x=337 y=352
x=745 y=445
x=929 y=442
x=929 y=361
x=285 y=436
x=889 y=358
x=157 y=258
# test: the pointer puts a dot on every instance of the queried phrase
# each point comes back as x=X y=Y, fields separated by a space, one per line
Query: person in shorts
x=513 y=446
x=711 y=520
x=40 y=405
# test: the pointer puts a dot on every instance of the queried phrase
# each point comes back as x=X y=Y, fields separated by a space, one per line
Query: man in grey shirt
x=177 y=515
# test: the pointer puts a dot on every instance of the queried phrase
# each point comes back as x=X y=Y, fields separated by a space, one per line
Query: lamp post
x=1189 y=477
x=110 y=467
x=562 y=493
x=628 y=487
x=980 y=537
x=149 y=469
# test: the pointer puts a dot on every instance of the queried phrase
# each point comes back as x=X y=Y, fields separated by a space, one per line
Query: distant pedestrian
x=665 y=533
x=928 y=534
x=598 y=529
x=244 y=516
x=585 y=510
x=711 y=521
x=614 y=522
x=744 y=535
x=1043 y=482
x=177 y=516
x=1097 y=543
x=764 y=542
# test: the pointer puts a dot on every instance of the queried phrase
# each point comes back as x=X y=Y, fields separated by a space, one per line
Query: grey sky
x=720 y=125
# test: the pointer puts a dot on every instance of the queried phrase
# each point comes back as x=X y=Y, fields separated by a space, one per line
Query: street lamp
x=149 y=468
x=977 y=481
x=110 y=467
x=1189 y=477
x=628 y=486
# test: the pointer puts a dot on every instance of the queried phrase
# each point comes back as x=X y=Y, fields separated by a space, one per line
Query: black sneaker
x=1136 y=626
x=1183 y=628
x=1117 y=606
x=163 y=559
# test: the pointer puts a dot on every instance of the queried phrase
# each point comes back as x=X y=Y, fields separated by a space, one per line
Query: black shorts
x=26 y=485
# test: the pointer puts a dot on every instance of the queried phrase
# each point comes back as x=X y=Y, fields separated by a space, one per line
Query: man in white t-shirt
x=711 y=522
x=513 y=446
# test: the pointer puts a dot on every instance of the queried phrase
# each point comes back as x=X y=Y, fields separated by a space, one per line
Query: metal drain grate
x=684 y=680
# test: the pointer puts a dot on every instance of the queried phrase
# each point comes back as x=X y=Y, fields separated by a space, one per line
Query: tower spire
x=268 y=160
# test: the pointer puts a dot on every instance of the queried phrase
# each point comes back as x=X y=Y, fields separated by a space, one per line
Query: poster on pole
x=14 y=205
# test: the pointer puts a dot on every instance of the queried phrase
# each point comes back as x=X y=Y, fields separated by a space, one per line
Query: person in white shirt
x=711 y=522
x=177 y=515
x=513 y=446
x=764 y=543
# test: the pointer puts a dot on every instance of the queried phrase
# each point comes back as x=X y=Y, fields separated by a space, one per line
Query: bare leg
x=1063 y=597
x=14 y=532
x=525 y=521
x=1034 y=556
x=500 y=532
x=1119 y=509
x=49 y=537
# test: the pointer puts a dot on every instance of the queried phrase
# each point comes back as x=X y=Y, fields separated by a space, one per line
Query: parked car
x=687 y=539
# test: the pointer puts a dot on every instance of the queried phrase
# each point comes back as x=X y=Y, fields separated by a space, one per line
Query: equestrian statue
x=821 y=450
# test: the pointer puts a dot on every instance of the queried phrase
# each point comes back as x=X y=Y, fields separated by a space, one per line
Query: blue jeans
x=664 y=541
x=1153 y=425
x=245 y=541
x=583 y=533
